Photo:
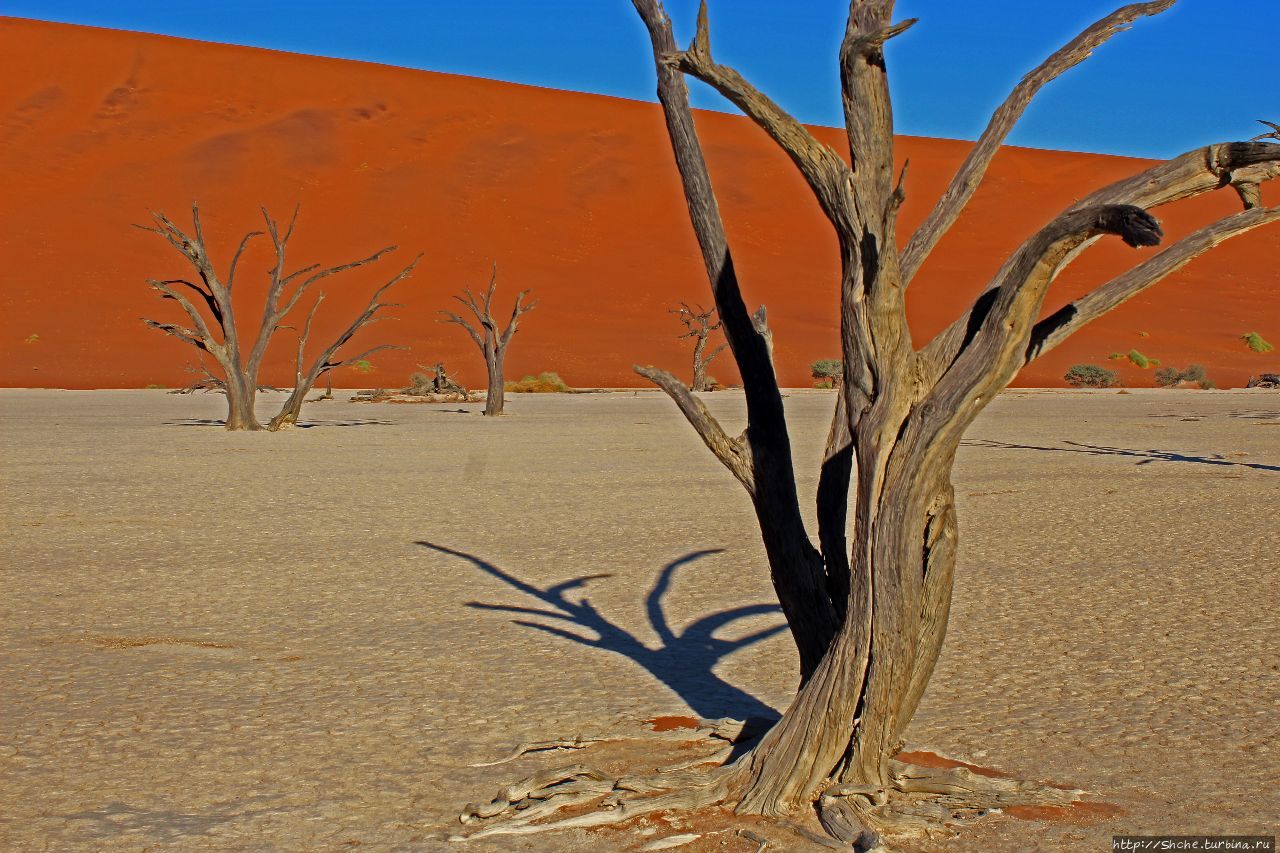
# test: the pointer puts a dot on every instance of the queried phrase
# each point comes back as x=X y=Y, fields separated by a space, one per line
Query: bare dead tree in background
x=492 y=343
x=868 y=616
x=699 y=327
x=220 y=337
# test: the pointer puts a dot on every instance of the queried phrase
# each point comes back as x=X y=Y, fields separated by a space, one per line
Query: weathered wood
x=240 y=375
x=699 y=326
x=869 y=610
x=492 y=342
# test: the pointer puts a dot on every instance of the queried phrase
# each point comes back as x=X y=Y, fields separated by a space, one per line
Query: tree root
x=926 y=802
x=725 y=728
x=918 y=802
x=544 y=794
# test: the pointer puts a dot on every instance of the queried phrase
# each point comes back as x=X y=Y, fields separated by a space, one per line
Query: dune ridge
x=574 y=196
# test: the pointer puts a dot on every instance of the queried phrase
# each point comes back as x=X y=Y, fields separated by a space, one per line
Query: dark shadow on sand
x=309 y=424
x=686 y=657
x=1144 y=457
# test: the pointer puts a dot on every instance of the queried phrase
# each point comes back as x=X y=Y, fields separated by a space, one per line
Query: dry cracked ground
x=303 y=640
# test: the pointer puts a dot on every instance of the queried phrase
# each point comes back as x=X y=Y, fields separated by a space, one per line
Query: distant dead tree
x=700 y=327
x=868 y=616
x=492 y=343
x=220 y=337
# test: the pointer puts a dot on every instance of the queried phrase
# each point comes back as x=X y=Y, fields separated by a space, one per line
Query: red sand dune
x=575 y=196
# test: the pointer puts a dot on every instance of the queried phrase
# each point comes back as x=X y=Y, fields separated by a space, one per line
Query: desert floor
x=244 y=641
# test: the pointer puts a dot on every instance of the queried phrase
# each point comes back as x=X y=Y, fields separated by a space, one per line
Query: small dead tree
x=492 y=343
x=868 y=616
x=700 y=327
x=219 y=335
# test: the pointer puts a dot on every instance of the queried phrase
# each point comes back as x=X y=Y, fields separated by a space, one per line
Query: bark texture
x=221 y=338
x=492 y=342
x=868 y=602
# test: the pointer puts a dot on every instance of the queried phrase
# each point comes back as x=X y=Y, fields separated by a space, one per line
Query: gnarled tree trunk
x=868 y=615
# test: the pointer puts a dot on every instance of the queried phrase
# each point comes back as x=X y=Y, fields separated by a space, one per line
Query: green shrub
x=1256 y=342
x=1091 y=376
x=1116 y=356
x=363 y=366
x=829 y=372
x=1139 y=359
x=1168 y=377
x=543 y=383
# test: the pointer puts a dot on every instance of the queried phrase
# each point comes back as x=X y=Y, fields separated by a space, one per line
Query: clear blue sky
x=1200 y=73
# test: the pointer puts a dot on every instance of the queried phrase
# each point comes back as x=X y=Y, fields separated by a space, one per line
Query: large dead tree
x=868 y=615
x=219 y=335
x=492 y=342
x=699 y=326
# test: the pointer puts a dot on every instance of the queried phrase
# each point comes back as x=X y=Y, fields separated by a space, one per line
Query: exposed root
x=725 y=729
x=926 y=802
x=544 y=794
x=518 y=808
x=577 y=742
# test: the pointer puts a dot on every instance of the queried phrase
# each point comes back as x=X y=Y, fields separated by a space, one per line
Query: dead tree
x=868 y=615
x=492 y=343
x=219 y=335
x=699 y=327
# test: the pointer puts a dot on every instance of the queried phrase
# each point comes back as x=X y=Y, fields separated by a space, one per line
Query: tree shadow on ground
x=309 y=424
x=1144 y=457
x=684 y=661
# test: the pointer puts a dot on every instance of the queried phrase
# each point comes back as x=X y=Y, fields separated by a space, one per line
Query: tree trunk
x=497 y=386
x=848 y=719
x=241 y=395
x=291 y=410
x=699 y=364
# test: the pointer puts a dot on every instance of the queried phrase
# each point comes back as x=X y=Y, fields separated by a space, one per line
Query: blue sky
x=1200 y=73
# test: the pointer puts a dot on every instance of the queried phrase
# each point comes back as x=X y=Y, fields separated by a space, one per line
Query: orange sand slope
x=575 y=196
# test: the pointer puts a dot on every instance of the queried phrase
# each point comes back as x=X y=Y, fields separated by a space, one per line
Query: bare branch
x=1064 y=322
x=235 y=259
x=517 y=312
x=1194 y=173
x=202 y=329
x=325 y=273
x=451 y=317
x=1274 y=134
x=366 y=317
x=821 y=167
x=967 y=179
x=179 y=332
x=733 y=453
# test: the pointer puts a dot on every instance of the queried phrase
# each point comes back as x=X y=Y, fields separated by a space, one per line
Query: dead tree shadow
x=304 y=424
x=1144 y=457
x=684 y=661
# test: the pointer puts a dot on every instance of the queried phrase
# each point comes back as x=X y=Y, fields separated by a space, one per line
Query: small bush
x=1091 y=376
x=543 y=383
x=1140 y=360
x=829 y=372
x=363 y=366
x=1256 y=342
x=1116 y=356
x=1168 y=377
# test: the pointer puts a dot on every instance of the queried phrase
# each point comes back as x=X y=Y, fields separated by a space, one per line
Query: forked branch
x=1069 y=319
x=821 y=167
x=966 y=181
